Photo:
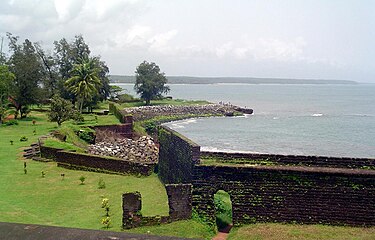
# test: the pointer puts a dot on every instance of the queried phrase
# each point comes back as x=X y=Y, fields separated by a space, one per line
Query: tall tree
x=84 y=83
x=150 y=82
x=49 y=71
x=6 y=82
x=26 y=66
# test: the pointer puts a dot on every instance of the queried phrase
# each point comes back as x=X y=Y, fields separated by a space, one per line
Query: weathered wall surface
x=273 y=188
x=288 y=194
x=292 y=160
x=76 y=160
x=177 y=156
x=123 y=118
x=179 y=199
x=121 y=131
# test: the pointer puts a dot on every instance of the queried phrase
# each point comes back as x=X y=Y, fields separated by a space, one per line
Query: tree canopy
x=85 y=82
x=150 y=82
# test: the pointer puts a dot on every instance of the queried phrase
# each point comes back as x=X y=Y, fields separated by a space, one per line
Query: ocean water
x=327 y=120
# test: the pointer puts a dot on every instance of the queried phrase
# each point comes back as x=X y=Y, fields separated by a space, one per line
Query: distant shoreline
x=232 y=80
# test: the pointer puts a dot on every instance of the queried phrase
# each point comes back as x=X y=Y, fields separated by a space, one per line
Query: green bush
x=87 y=136
x=223 y=208
x=11 y=122
x=23 y=139
x=123 y=98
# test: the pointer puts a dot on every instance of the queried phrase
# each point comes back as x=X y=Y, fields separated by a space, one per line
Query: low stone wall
x=177 y=156
x=291 y=160
x=147 y=112
x=97 y=163
x=179 y=199
x=288 y=194
x=123 y=118
x=120 y=131
x=49 y=152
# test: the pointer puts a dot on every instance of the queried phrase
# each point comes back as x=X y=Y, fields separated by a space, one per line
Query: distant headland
x=243 y=80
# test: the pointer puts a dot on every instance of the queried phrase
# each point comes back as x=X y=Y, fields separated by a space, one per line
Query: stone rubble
x=141 y=150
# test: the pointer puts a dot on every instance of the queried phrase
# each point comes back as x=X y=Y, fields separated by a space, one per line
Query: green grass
x=52 y=200
x=55 y=143
x=274 y=231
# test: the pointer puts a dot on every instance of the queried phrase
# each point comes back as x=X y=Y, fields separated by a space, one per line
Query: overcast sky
x=323 y=39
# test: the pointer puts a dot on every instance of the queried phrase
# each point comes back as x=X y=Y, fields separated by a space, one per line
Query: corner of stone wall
x=179 y=201
x=131 y=210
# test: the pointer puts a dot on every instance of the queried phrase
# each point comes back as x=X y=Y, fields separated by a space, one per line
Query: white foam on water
x=215 y=149
x=317 y=115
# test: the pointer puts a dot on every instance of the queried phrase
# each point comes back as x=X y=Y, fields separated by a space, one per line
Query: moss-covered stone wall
x=290 y=160
x=288 y=194
x=177 y=156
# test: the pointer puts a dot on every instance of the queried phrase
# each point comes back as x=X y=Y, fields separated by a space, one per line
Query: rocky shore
x=147 y=112
x=141 y=150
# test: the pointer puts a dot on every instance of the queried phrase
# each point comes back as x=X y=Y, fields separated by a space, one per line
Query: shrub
x=23 y=139
x=87 y=136
x=78 y=117
x=11 y=122
x=123 y=98
x=101 y=183
x=106 y=222
x=82 y=179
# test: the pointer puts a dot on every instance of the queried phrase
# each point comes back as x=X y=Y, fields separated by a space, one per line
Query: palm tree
x=84 y=83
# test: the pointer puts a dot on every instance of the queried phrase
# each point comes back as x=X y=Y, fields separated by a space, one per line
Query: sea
x=299 y=119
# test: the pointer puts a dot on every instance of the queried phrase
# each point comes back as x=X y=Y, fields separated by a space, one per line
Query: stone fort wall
x=273 y=188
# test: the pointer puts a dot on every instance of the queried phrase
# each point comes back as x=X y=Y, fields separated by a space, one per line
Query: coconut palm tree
x=84 y=83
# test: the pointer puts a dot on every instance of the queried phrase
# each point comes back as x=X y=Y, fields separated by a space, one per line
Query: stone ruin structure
x=272 y=188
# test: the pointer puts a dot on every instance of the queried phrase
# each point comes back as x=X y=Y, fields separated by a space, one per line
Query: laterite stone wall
x=288 y=194
x=177 y=156
x=292 y=160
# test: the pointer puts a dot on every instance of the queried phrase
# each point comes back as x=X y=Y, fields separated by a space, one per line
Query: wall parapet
x=288 y=194
x=291 y=160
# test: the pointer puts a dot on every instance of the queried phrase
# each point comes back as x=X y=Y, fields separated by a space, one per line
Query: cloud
x=159 y=42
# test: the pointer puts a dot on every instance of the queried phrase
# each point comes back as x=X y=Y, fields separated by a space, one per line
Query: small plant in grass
x=11 y=142
x=82 y=179
x=106 y=222
x=34 y=122
x=105 y=205
x=23 y=139
x=43 y=174
x=62 y=176
x=101 y=183
x=34 y=132
x=24 y=168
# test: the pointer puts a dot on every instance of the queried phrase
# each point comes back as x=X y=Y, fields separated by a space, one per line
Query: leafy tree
x=49 y=71
x=6 y=81
x=26 y=66
x=150 y=83
x=61 y=110
x=84 y=83
x=67 y=55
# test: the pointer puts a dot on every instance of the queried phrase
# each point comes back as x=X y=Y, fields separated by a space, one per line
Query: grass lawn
x=52 y=200
x=274 y=231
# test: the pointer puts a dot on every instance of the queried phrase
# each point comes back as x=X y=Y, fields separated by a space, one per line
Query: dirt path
x=223 y=233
